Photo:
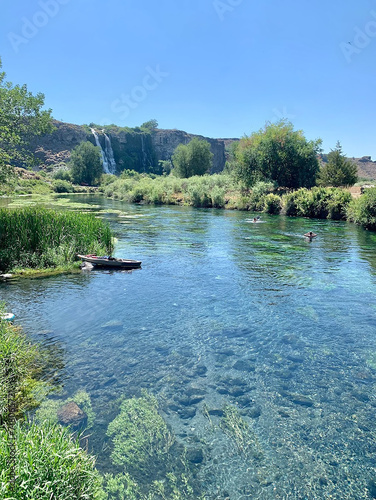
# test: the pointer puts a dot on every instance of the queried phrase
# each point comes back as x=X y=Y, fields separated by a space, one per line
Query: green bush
x=48 y=465
x=320 y=203
x=61 y=186
x=62 y=174
x=272 y=204
x=363 y=210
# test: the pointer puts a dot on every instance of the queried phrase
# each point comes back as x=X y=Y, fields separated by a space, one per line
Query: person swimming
x=310 y=235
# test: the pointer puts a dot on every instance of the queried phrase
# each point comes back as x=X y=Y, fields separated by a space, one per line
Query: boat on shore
x=110 y=262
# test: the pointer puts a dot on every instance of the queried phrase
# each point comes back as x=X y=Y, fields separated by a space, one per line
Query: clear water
x=251 y=315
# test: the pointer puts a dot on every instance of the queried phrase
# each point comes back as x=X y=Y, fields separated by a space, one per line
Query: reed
x=38 y=237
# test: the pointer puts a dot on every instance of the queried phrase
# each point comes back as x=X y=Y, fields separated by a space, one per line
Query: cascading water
x=144 y=154
x=109 y=153
x=108 y=160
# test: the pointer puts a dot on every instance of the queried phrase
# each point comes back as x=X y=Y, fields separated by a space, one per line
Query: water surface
x=233 y=313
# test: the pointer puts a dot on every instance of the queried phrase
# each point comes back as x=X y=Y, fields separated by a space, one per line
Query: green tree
x=150 y=124
x=339 y=171
x=86 y=164
x=21 y=117
x=195 y=158
x=277 y=153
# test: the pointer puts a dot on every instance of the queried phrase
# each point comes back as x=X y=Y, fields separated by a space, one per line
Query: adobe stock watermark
x=282 y=114
x=31 y=26
x=127 y=102
x=223 y=7
x=363 y=37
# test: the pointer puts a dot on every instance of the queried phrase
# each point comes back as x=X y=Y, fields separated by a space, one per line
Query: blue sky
x=219 y=68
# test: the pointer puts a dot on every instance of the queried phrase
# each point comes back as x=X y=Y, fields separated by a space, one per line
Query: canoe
x=110 y=262
x=7 y=316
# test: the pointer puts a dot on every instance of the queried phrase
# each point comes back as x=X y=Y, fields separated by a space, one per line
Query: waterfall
x=108 y=160
x=109 y=154
x=144 y=154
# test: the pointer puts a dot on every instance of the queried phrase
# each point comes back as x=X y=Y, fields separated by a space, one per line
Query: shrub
x=363 y=210
x=61 y=186
x=272 y=204
x=62 y=174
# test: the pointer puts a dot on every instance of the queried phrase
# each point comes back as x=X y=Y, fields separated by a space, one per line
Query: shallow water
x=222 y=312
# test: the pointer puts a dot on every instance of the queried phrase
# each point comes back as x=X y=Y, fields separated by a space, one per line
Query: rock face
x=71 y=414
x=55 y=148
x=132 y=149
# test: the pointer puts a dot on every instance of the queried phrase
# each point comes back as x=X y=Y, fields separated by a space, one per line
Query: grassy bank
x=41 y=238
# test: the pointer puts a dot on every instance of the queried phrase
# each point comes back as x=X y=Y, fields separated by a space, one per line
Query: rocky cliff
x=133 y=149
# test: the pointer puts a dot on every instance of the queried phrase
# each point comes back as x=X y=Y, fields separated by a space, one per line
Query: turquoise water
x=227 y=312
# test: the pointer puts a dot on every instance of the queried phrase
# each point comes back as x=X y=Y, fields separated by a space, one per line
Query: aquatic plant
x=140 y=435
x=240 y=432
x=155 y=466
x=38 y=237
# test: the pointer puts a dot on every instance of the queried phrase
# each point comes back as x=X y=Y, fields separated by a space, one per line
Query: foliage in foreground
x=49 y=464
x=37 y=237
x=363 y=210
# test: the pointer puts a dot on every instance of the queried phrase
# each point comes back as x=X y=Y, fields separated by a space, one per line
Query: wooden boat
x=110 y=262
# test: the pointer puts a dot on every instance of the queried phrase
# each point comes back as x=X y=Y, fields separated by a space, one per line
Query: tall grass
x=37 y=237
x=49 y=465
x=198 y=191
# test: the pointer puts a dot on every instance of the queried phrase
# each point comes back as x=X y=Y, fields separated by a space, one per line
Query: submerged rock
x=244 y=365
x=113 y=325
x=71 y=414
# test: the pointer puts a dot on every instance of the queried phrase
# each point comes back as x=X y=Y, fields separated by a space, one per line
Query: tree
x=339 y=171
x=150 y=125
x=86 y=164
x=277 y=153
x=195 y=158
x=21 y=117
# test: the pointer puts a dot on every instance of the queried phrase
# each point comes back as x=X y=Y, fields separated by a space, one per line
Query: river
x=234 y=313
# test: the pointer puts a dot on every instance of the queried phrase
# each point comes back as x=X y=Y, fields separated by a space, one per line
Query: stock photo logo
x=222 y=8
x=31 y=26
x=362 y=38
x=151 y=81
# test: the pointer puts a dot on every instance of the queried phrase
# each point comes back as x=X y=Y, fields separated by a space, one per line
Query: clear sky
x=219 y=68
